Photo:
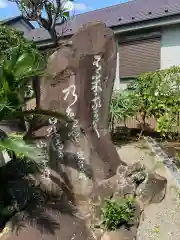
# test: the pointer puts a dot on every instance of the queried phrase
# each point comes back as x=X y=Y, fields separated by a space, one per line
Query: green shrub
x=116 y=213
x=122 y=107
x=11 y=38
x=6 y=211
x=158 y=96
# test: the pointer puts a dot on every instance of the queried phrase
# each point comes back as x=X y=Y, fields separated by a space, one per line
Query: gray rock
x=137 y=215
x=121 y=170
x=153 y=190
x=121 y=234
x=139 y=177
x=117 y=186
x=134 y=168
x=125 y=190
x=106 y=188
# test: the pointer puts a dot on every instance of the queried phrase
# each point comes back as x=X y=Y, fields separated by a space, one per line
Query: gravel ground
x=159 y=221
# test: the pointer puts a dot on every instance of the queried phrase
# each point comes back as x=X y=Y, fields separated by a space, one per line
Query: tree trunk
x=53 y=35
x=36 y=88
x=143 y=125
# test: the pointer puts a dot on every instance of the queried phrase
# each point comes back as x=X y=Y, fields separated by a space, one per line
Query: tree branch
x=59 y=5
x=49 y=14
x=44 y=23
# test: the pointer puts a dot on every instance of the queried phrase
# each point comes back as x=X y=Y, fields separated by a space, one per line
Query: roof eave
x=45 y=44
x=49 y=43
x=8 y=21
x=15 y=19
x=158 y=22
x=125 y=28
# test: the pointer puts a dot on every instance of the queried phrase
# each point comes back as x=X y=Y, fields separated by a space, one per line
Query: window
x=139 y=56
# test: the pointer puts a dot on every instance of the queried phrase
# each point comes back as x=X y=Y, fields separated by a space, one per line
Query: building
x=147 y=32
x=19 y=23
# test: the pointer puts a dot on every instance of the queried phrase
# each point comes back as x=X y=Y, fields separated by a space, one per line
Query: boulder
x=107 y=187
x=137 y=172
x=116 y=187
x=120 y=185
x=79 y=83
x=121 y=234
x=134 y=223
x=124 y=190
x=153 y=190
x=133 y=168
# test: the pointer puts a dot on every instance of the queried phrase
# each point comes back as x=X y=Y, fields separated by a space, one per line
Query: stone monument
x=80 y=82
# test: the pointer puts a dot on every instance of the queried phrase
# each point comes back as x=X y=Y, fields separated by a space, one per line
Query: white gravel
x=159 y=221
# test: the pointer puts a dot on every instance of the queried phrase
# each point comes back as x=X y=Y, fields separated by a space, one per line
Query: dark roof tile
x=14 y=19
x=117 y=15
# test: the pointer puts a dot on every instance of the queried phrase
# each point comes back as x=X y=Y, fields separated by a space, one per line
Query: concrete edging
x=167 y=161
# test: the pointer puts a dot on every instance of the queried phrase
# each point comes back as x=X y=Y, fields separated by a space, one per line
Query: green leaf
x=66 y=14
x=16 y=144
x=24 y=65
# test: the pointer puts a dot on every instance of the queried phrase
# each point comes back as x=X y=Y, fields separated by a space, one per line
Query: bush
x=11 y=38
x=117 y=213
x=157 y=95
x=122 y=106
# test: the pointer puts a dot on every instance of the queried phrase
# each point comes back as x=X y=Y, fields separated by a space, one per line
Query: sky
x=9 y=9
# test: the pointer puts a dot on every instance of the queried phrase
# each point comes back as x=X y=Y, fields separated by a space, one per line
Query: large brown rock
x=121 y=234
x=80 y=83
x=117 y=187
x=153 y=190
x=123 y=183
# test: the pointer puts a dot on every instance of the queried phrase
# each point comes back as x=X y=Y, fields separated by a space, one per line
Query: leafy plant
x=122 y=106
x=117 y=213
x=144 y=90
x=166 y=125
x=157 y=94
x=168 y=121
x=15 y=143
x=18 y=182
x=15 y=73
x=10 y=38
x=6 y=211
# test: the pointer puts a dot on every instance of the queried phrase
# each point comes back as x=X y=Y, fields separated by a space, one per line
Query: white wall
x=118 y=83
x=170 y=46
x=117 y=78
